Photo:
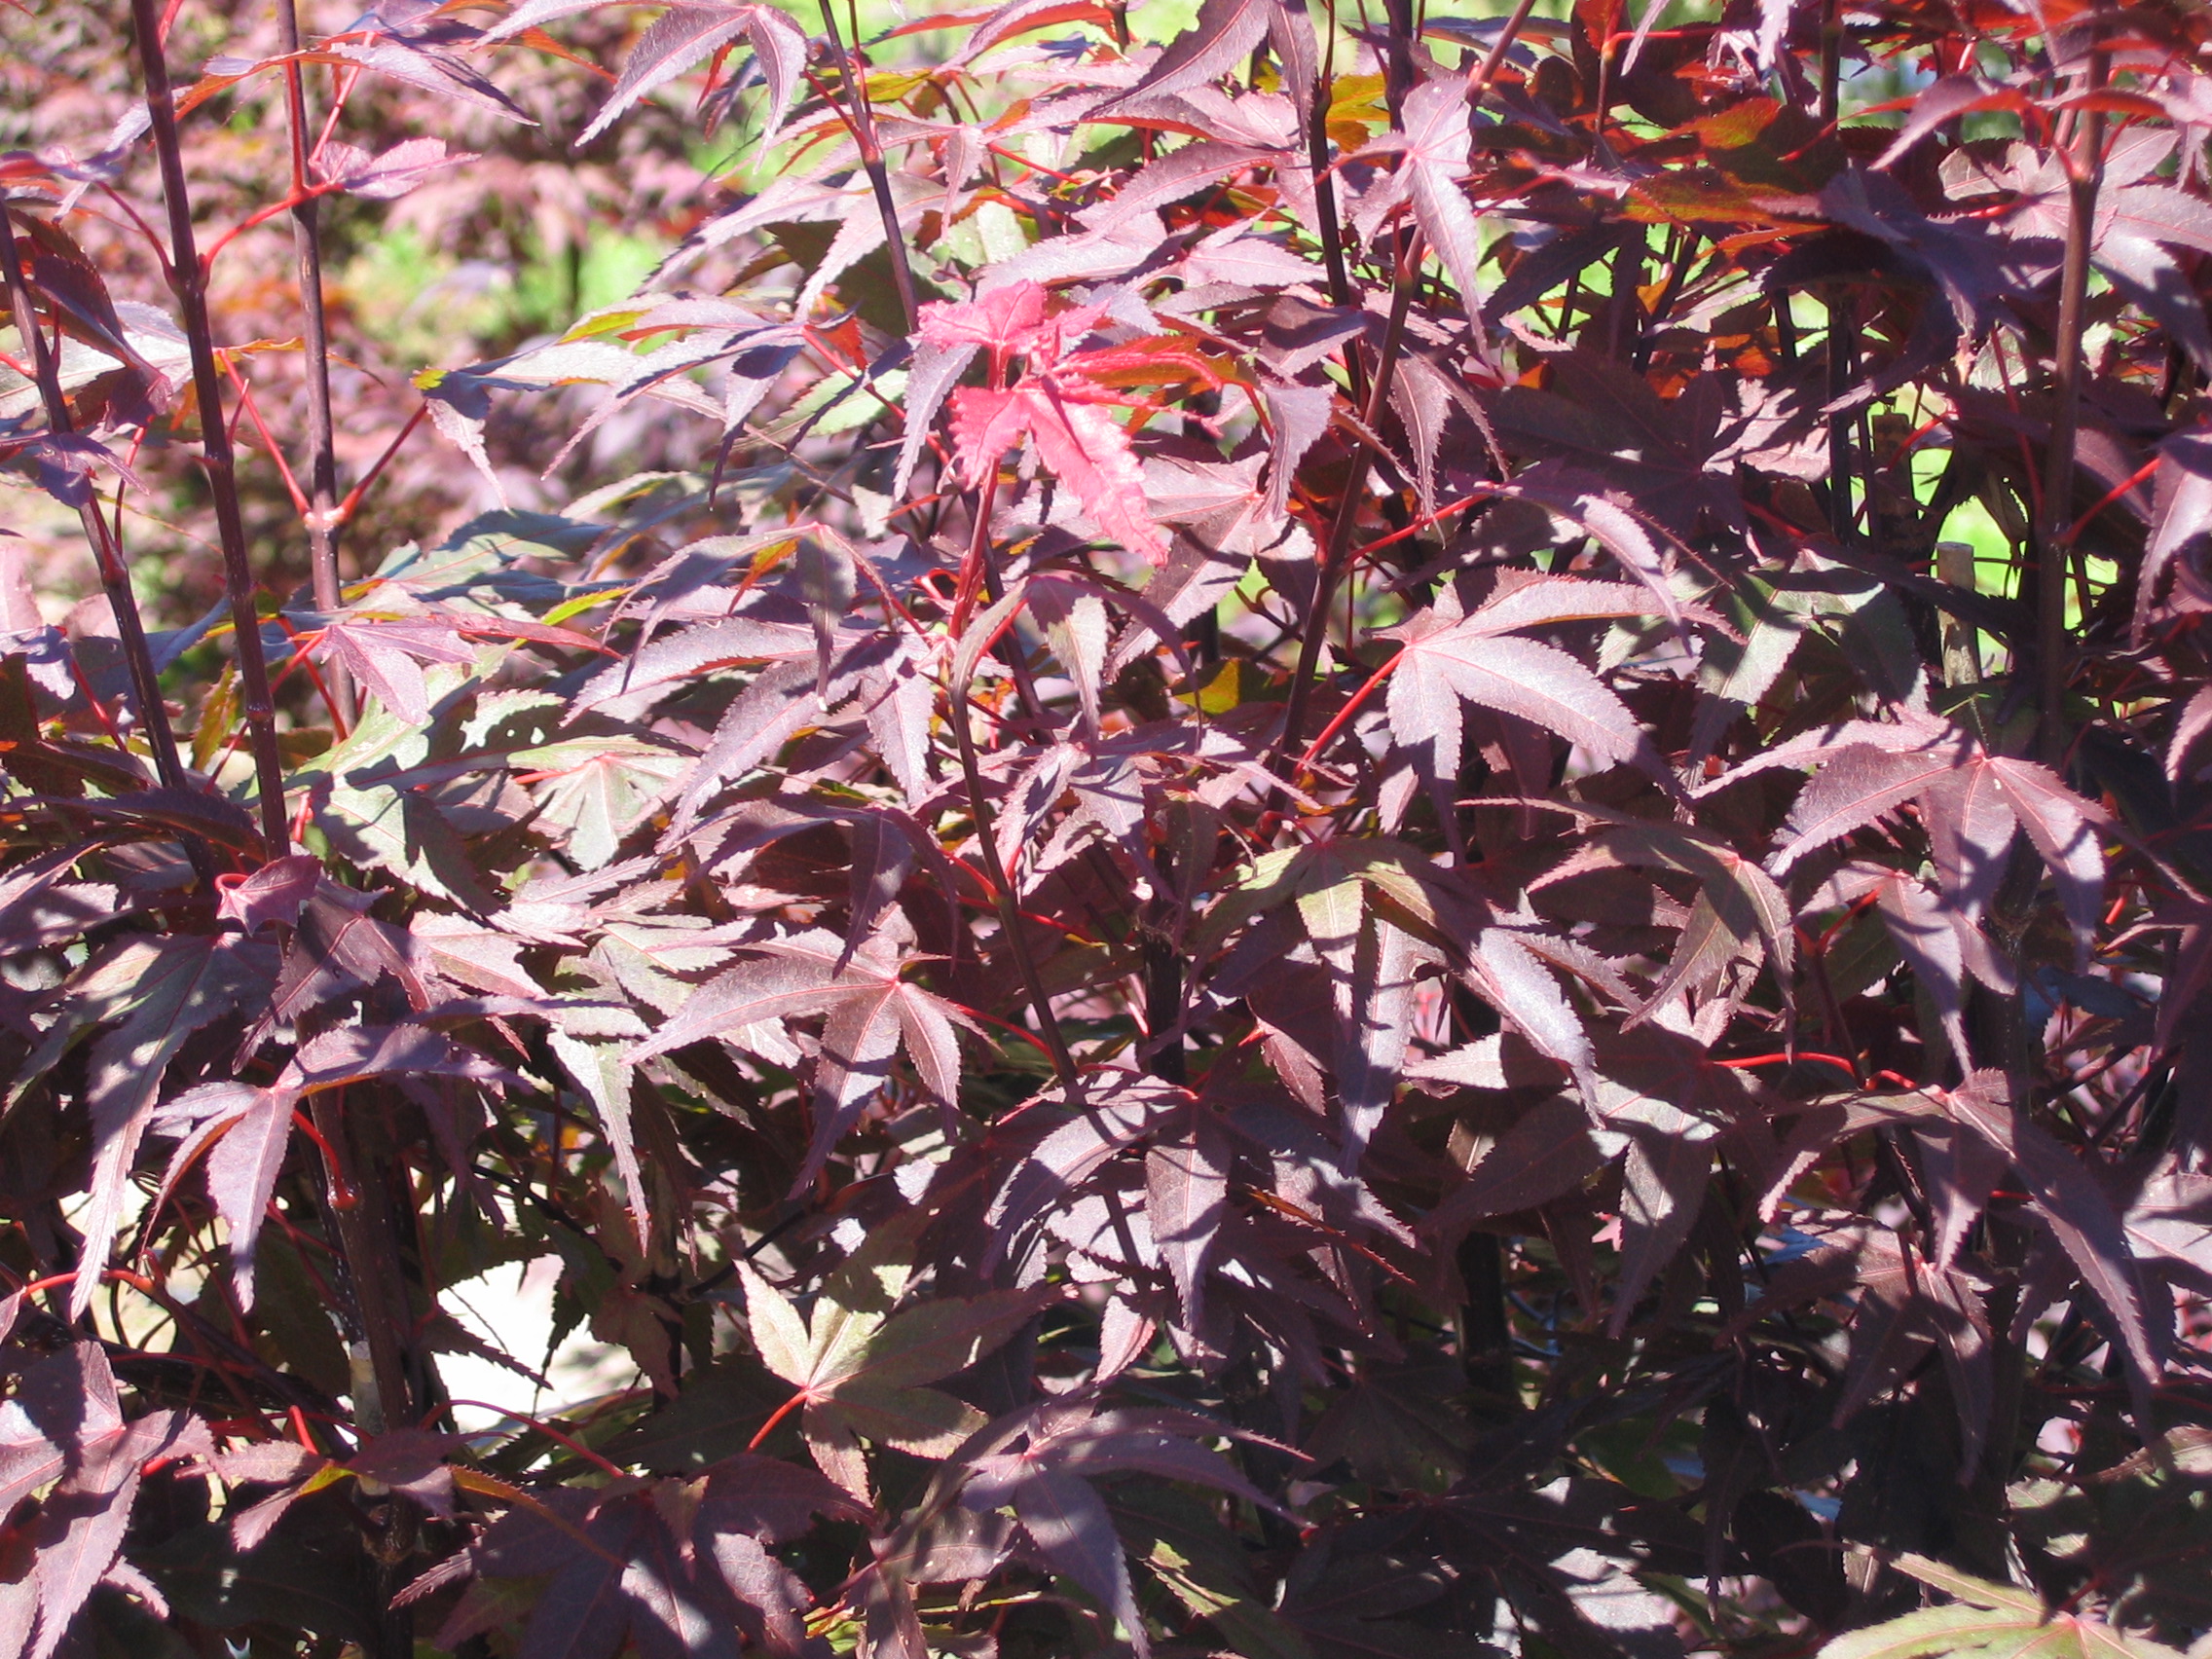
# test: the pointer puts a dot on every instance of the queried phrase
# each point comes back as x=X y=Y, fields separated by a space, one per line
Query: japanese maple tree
x=1294 y=832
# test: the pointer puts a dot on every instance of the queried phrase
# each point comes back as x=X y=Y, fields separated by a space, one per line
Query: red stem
x=1836 y=1060
x=342 y=1196
x=261 y=426
x=776 y=1417
x=296 y=198
x=352 y=501
x=1350 y=707
x=541 y=1426
x=2141 y=475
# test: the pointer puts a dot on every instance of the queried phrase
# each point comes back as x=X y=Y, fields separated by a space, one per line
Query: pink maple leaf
x=1056 y=405
x=1004 y=319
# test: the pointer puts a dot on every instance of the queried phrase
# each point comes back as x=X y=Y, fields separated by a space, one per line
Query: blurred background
x=479 y=261
x=476 y=262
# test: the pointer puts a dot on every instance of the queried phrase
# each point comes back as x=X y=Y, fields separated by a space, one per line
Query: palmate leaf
x=683 y=34
x=1375 y=1031
x=1745 y=912
x=1905 y=1305
x=408 y=1460
x=1376 y=910
x=1663 y=1182
x=1991 y=1621
x=872 y=1013
x=2071 y=1202
x=1547 y=1152
x=1056 y=405
x=336 y=948
x=61 y=464
x=1121 y=1108
x=1445 y=661
x=242 y=1129
x=1937 y=935
x=2139 y=217
x=377 y=825
x=598 y=789
x=783 y=699
x=1945 y=99
x=1971 y=801
x=859 y=1371
x=669 y=659
x=1173 y=176
x=392 y=175
x=1041 y=1462
x=1929 y=937
x=1222 y=35
x=1186 y=1195
x=1445 y=665
x=72 y=286
x=1356 y=899
x=1433 y=151
x=153 y=992
x=1324 y=882
x=886 y=845
x=1614 y=1009
x=1852 y=789
x=430 y=68
x=65 y=1425
x=1084 y=445
x=674 y=1567
x=2181 y=507
x=384 y=656
x=598 y=1069
x=678 y=39
x=274 y=893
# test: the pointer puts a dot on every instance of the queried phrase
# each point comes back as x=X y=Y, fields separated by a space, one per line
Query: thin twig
x=871 y=159
x=322 y=516
x=986 y=827
x=1842 y=345
x=1479 y=83
x=354 y=497
x=189 y=279
x=1332 y=559
x=1325 y=186
x=1398 y=65
x=1002 y=895
x=107 y=551
x=2084 y=176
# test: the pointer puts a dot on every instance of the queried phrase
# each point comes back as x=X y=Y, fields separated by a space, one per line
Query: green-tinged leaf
x=599 y=1070
x=1975 y=1592
x=1987 y=1633
x=925 y=1421
x=720 y=1411
x=2014 y=1626
x=932 y=1340
x=1251 y=1628
x=598 y=789
x=1182 y=1543
x=858 y=1370
x=399 y=831
x=658 y=960
x=779 y=1335
x=1325 y=880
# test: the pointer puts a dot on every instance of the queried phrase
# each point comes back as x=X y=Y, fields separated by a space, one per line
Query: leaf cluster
x=1392 y=845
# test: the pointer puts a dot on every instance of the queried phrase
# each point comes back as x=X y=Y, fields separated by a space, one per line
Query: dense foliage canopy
x=1309 y=832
